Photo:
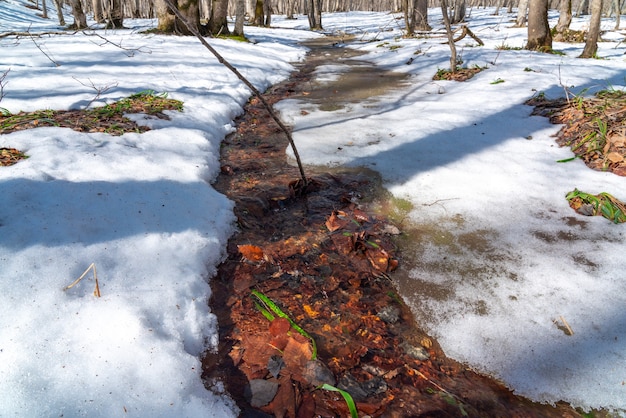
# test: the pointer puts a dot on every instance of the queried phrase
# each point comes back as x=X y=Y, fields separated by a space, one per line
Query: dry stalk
x=96 y=291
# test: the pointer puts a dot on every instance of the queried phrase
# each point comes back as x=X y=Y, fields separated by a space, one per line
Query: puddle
x=361 y=82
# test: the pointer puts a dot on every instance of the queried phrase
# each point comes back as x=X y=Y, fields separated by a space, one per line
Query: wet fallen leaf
x=251 y=253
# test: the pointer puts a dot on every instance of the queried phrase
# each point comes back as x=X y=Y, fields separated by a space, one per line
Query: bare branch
x=254 y=90
x=3 y=83
x=100 y=90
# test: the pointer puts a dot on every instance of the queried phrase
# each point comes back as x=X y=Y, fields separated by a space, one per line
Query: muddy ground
x=324 y=258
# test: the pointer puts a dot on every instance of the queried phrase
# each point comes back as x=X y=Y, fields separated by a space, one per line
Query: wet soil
x=306 y=295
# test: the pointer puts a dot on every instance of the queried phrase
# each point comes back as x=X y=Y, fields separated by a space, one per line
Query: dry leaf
x=251 y=253
x=615 y=157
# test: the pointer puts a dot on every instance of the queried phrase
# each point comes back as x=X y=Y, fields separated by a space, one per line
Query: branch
x=254 y=90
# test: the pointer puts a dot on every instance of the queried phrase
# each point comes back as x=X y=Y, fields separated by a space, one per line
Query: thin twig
x=32 y=38
x=254 y=90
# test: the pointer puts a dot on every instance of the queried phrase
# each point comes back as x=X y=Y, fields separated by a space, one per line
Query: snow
x=140 y=207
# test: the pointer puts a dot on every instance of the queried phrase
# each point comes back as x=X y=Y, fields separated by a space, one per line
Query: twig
x=99 y=90
x=32 y=38
x=130 y=52
x=96 y=291
x=569 y=329
x=254 y=90
x=3 y=83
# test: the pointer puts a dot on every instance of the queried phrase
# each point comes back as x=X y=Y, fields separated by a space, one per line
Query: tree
x=59 y=7
x=522 y=8
x=591 y=44
x=446 y=22
x=169 y=23
x=539 y=37
x=315 y=14
x=415 y=16
x=218 y=22
x=115 y=14
x=565 y=17
x=98 y=11
x=240 y=12
x=259 y=13
x=80 y=20
x=458 y=8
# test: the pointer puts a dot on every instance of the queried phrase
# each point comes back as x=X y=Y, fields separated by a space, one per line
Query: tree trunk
x=565 y=16
x=267 y=10
x=259 y=13
x=539 y=37
x=409 y=22
x=420 y=11
x=59 y=7
x=446 y=22
x=618 y=12
x=240 y=14
x=459 y=11
x=218 y=22
x=591 y=44
x=315 y=14
x=116 y=14
x=98 y=14
x=167 y=21
x=80 y=20
x=44 y=9
x=522 y=9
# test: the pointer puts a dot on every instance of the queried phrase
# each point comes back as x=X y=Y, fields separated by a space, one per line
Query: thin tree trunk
x=59 y=7
x=80 y=20
x=218 y=23
x=446 y=22
x=522 y=10
x=98 y=14
x=44 y=9
x=240 y=14
x=565 y=16
x=591 y=45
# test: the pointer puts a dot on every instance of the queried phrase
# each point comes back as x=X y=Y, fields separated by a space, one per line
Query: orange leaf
x=251 y=253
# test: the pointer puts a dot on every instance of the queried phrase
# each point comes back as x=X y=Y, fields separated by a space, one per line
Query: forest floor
x=306 y=295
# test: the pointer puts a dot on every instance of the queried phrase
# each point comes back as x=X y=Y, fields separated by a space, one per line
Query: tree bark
x=420 y=11
x=59 y=7
x=522 y=9
x=259 y=13
x=240 y=14
x=315 y=14
x=98 y=14
x=446 y=22
x=218 y=22
x=565 y=16
x=80 y=20
x=169 y=23
x=591 y=44
x=539 y=37
x=115 y=14
x=459 y=11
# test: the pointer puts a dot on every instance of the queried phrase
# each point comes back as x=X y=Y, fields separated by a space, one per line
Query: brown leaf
x=279 y=326
x=615 y=157
x=251 y=253
x=334 y=223
x=297 y=352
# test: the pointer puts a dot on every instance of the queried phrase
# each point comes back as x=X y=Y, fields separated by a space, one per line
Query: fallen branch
x=96 y=291
x=240 y=76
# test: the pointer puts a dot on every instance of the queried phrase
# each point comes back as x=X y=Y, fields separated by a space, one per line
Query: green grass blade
x=346 y=396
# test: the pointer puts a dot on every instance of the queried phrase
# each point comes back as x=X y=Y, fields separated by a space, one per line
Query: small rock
x=418 y=353
x=389 y=314
x=316 y=373
x=260 y=392
x=361 y=391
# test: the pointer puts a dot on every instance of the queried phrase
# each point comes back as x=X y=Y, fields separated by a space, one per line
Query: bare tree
x=591 y=44
x=98 y=11
x=80 y=20
x=59 y=7
x=446 y=23
x=522 y=10
x=415 y=16
x=115 y=14
x=218 y=22
x=240 y=12
x=315 y=14
x=539 y=37
x=169 y=23
x=565 y=17
x=458 y=11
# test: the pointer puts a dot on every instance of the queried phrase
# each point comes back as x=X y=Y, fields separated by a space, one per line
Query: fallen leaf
x=615 y=157
x=251 y=253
